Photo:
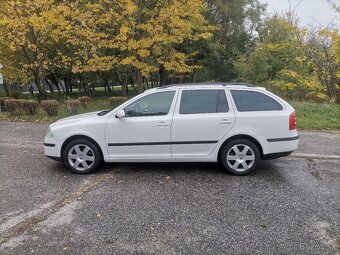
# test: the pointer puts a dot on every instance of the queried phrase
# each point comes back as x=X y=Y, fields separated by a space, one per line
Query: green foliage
x=73 y=105
x=115 y=101
x=14 y=106
x=2 y=102
x=51 y=107
x=30 y=106
x=300 y=64
x=84 y=101
x=79 y=45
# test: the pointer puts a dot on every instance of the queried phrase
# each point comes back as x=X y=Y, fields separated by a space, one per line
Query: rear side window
x=203 y=101
x=247 y=101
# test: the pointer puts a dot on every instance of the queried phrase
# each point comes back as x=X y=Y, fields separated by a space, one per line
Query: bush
x=30 y=106
x=84 y=101
x=115 y=101
x=14 y=106
x=2 y=102
x=51 y=107
x=73 y=105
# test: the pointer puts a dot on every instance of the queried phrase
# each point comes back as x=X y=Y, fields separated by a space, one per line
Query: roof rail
x=224 y=84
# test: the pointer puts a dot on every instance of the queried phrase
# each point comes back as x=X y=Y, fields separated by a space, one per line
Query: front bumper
x=51 y=148
x=55 y=158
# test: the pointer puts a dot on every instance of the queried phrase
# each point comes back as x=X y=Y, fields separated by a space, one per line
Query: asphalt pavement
x=288 y=206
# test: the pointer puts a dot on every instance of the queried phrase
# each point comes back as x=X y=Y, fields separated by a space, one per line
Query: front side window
x=151 y=105
x=203 y=101
x=247 y=101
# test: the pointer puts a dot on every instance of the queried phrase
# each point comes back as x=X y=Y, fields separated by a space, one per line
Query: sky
x=314 y=12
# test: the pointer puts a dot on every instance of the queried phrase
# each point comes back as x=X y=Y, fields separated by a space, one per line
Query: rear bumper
x=276 y=155
x=283 y=139
x=279 y=144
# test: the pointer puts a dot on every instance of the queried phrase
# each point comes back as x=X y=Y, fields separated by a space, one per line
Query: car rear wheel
x=82 y=156
x=240 y=156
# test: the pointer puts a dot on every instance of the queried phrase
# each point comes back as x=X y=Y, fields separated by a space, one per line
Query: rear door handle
x=163 y=124
x=225 y=121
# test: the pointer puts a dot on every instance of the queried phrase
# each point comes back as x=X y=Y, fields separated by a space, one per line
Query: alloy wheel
x=81 y=157
x=240 y=157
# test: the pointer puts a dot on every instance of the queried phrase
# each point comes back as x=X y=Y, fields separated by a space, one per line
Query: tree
x=238 y=21
x=146 y=35
x=24 y=36
x=322 y=48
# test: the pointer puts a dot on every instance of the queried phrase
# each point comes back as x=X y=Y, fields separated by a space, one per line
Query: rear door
x=202 y=117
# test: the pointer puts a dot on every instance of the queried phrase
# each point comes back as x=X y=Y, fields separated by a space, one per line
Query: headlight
x=49 y=133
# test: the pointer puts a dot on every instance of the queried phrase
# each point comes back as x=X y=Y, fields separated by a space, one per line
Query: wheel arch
x=74 y=137
x=240 y=136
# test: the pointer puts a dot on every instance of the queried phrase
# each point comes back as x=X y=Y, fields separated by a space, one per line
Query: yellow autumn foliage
x=88 y=36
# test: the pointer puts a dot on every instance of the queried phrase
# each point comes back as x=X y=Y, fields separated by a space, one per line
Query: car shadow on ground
x=266 y=170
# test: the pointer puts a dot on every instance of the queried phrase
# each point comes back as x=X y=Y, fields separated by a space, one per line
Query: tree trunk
x=66 y=86
x=50 y=86
x=41 y=89
x=30 y=89
x=161 y=76
x=337 y=96
x=132 y=83
x=140 y=82
x=55 y=80
x=7 y=90
x=127 y=89
x=107 y=86
x=145 y=83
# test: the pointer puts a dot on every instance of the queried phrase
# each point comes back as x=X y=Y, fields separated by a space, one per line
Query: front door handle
x=162 y=124
x=225 y=121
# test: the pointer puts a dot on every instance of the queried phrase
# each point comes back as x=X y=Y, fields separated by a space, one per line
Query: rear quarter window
x=247 y=101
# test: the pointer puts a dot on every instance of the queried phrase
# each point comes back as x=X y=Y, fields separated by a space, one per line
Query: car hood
x=77 y=118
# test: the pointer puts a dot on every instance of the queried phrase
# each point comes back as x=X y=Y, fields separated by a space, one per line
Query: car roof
x=207 y=84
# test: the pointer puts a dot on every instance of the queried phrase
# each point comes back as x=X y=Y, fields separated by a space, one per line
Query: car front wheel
x=81 y=156
x=240 y=156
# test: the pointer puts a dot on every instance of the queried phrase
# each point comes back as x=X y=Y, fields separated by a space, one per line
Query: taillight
x=292 y=121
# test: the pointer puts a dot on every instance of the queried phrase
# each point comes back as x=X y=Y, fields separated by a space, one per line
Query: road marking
x=28 y=223
x=314 y=156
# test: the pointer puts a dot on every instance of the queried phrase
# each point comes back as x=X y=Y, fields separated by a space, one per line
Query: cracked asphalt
x=288 y=206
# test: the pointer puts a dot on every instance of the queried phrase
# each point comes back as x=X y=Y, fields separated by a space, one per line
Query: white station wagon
x=234 y=124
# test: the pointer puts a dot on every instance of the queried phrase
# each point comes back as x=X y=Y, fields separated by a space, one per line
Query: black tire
x=84 y=146
x=237 y=166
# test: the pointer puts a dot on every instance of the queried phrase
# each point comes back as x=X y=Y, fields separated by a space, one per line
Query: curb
x=315 y=156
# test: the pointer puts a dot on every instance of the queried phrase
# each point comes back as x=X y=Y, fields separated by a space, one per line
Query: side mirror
x=120 y=114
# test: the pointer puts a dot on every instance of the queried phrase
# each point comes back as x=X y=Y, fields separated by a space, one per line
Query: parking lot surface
x=288 y=206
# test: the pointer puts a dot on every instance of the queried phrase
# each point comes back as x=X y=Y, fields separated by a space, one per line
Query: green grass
x=316 y=116
x=311 y=116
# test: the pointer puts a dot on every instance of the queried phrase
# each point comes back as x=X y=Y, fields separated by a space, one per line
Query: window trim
x=202 y=89
x=262 y=92
x=149 y=94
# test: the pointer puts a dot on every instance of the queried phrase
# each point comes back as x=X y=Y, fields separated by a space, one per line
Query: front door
x=144 y=132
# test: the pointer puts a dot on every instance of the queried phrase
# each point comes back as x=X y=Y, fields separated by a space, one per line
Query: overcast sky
x=308 y=11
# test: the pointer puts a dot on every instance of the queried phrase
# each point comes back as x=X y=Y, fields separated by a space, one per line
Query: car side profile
x=234 y=124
